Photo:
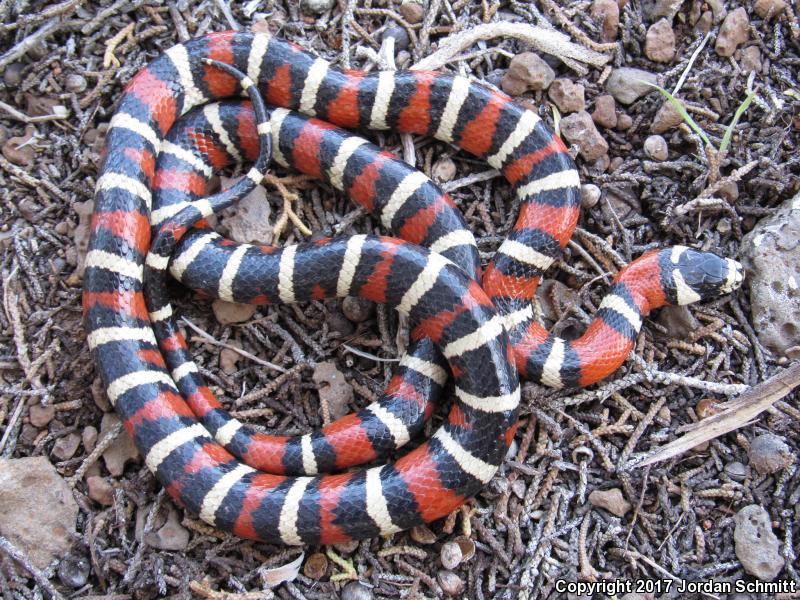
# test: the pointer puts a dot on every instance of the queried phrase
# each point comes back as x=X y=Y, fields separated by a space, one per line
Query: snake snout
x=703 y=275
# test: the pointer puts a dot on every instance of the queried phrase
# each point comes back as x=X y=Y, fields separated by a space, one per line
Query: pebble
x=43 y=508
x=73 y=571
x=413 y=12
x=232 y=312
x=606 y=12
x=99 y=395
x=357 y=309
x=19 y=149
x=678 y=321
x=316 y=566
x=656 y=148
x=624 y=121
x=756 y=546
x=167 y=532
x=399 y=34
x=100 y=490
x=66 y=446
x=555 y=298
x=767 y=9
x=718 y=9
x=769 y=454
x=667 y=117
x=40 y=416
x=605 y=111
x=612 y=500
x=89 y=437
x=316 y=7
x=659 y=44
x=121 y=451
x=450 y=582
x=590 y=195
x=228 y=358
x=249 y=221
x=12 y=76
x=579 y=129
x=626 y=84
x=705 y=22
x=356 y=591
x=568 y=95
x=75 y=83
x=443 y=170
x=734 y=32
x=334 y=390
x=750 y=59
x=451 y=555
x=527 y=72
x=737 y=471
x=661 y=8
x=771 y=255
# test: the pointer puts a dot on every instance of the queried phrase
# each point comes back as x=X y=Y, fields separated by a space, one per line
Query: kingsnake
x=445 y=305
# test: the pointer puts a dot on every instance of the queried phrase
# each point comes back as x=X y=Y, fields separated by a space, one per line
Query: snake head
x=690 y=276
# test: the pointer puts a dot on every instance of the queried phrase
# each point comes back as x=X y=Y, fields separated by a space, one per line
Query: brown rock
x=579 y=129
x=656 y=148
x=89 y=438
x=659 y=45
x=527 y=72
x=756 y=545
x=228 y=357
x=612 y=500
x=422 y=534
x=734 y=32
x=334 y=391
x=37 y=508
x=450 y=582
x=413 y=12
x=99 y=395
x=767 y=9
x=568 y=95
x=705 y=22
x=624 y=121
x=40 y=416
x=443 y=170
x=167 y=532
x=357 y=309
x=20 y=150
x=590 y=196
x=627 y=84
x=750 y=59
x=316 y=566
x=605 y=111
x=232 y=312
x=606 y=12
x=667 y=117
x=769 y=454
x=121 y=451
x=66 y=446
x=248 y=221
x=100 y=490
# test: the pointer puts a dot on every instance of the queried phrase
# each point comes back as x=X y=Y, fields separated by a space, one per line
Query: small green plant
x=714 y=155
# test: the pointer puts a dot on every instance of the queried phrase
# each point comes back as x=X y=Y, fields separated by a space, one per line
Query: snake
x=484 y=335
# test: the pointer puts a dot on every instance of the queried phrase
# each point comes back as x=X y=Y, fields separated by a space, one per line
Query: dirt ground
x=64 y=68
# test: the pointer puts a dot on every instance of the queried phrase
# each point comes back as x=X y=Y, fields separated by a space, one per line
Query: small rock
x=99 y=395
x=413 y=12
x=659 y=44
x=734 y=32
x=65 y=447
x=568 y=96
x=612 y=500
x=100 y=490
x=42 y=508
x=28 y=434
x=20 y=149
x=334 y=391
x=766 y=9
x=737 y=471
x=771 y=255
x=82 y=232
x=606 y=12
x=624 y=121
x=605 y=111
x=579 y=129
x=705 y=22
x=12 y=76
x=357 y=309
x=248 y=221
x=590 y=195
x=555 y=298
x=422 y=534
x=356 y=591
x=667 y=117
x=451 y=583
x=75 y=83
x=627 y=84
x=527 y=72
x=678 y=321
x=729 y=190
x=756 y=545
x=451 y=555
x=232 y=312
x=40 y=416
x=89 y=438
x=718 y=9
x=316 y=566
x=121 y=451
x=399 y=34
x=769 y=454
x=750 y=59
x=661 y=8
x=167 y=532
x=228 y=357
x=316 y=7
x=73 y=571
x=656 y=148
x=443 y=170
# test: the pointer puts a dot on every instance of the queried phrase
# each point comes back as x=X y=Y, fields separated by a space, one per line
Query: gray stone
x=38 y=509
x=769 y=454
x=316 y=7
x=756 y=545
x=627 y=84
x=771 y=256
